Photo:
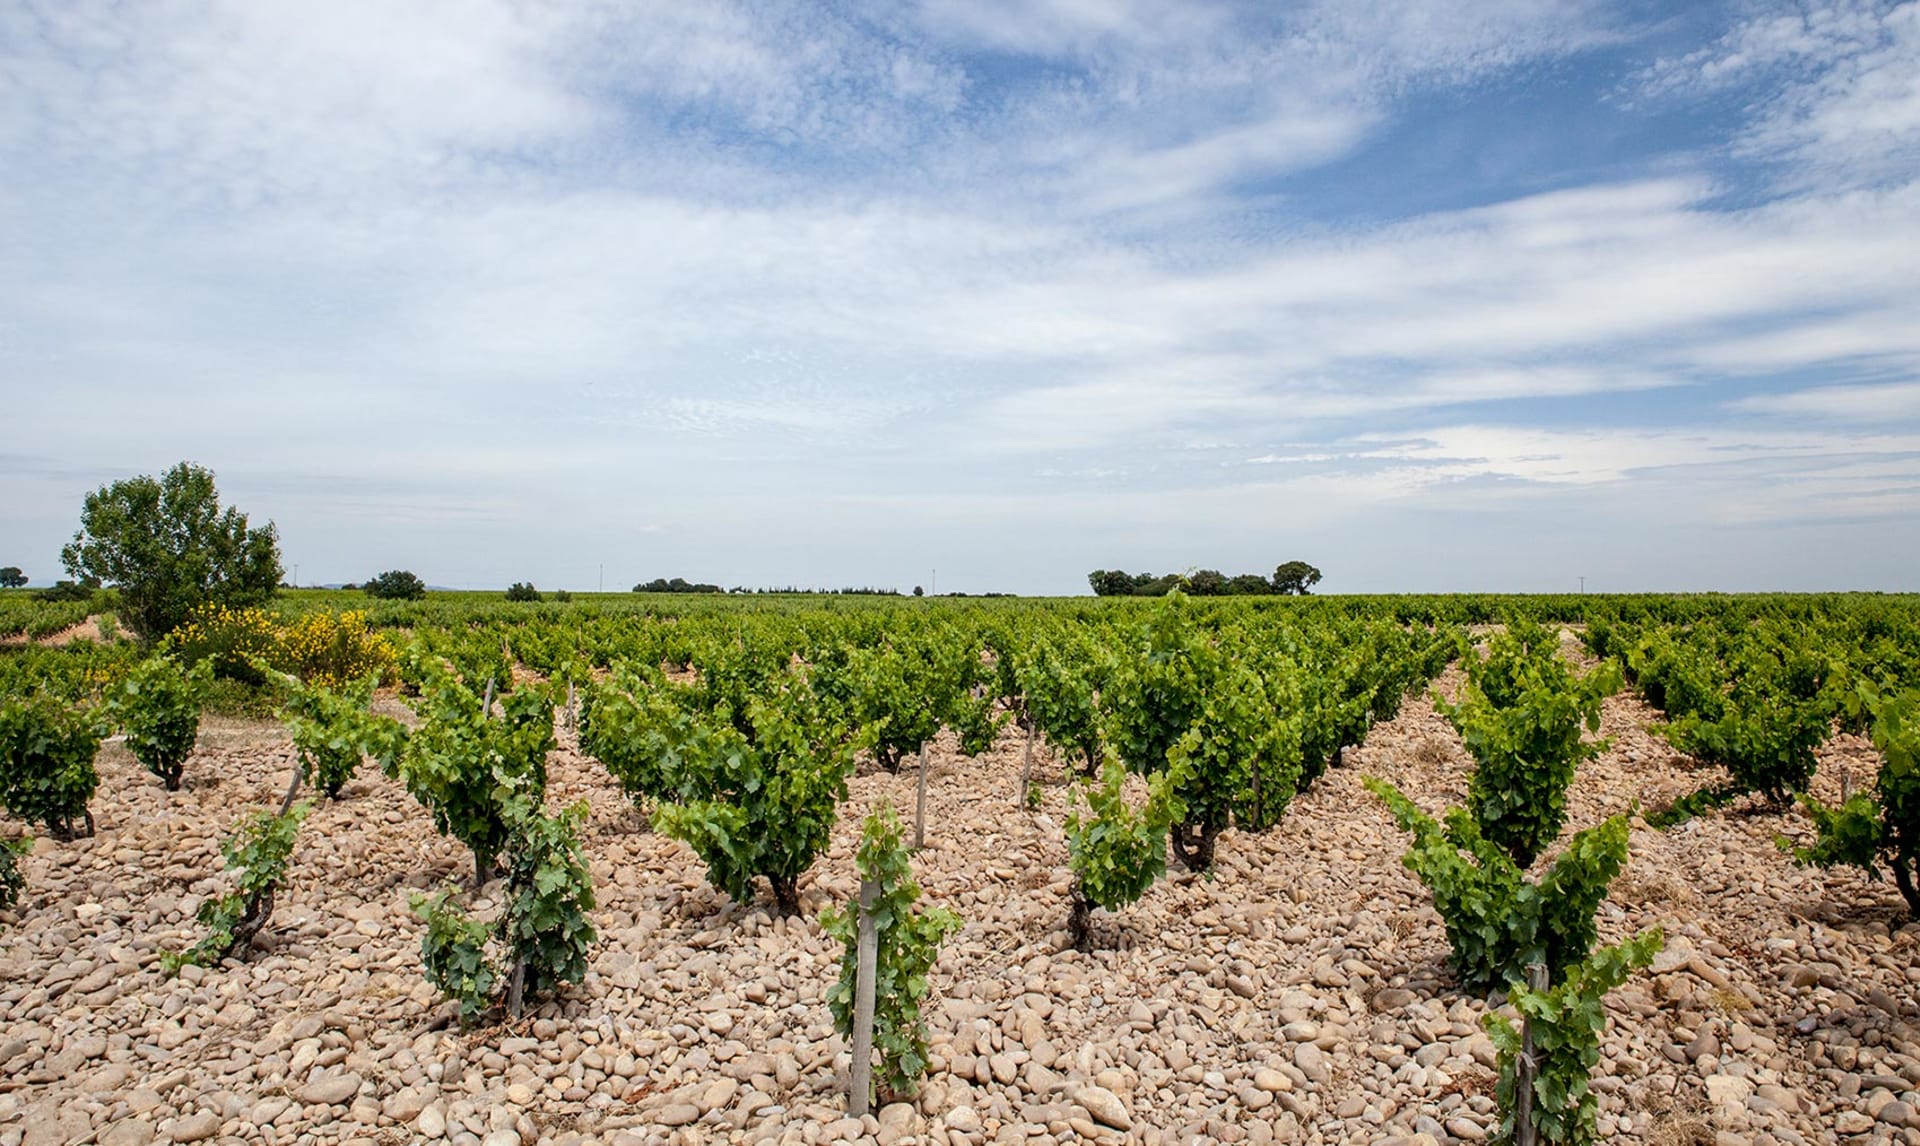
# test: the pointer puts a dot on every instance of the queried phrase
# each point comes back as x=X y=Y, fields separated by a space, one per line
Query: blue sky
x=1488 y=295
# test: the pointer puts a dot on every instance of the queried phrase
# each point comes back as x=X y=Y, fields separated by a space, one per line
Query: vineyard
x=1262 y=869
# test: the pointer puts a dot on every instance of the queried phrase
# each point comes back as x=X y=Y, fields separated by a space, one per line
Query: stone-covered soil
x=1299 y=995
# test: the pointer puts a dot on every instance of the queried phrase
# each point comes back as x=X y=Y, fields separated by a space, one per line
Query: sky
x=978 y=295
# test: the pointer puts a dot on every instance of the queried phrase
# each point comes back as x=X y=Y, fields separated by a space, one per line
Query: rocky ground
x=1300 y=995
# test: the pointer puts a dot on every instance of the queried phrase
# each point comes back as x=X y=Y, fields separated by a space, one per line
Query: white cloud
x=478 y=260
x=1837 y=87
x=1878 y=404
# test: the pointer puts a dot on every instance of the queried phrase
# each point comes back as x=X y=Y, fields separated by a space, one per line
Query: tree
x=170 y=548
x=1110 y=583
x=11 y=577
x=1249 y=585
x=1295 y=577
x=523 y=591
x=397 y=585
x=1207 y=583
x=918 y=591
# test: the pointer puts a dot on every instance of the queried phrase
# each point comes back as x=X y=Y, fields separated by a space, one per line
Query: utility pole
x=1583 y=584
x=603 y=576
x=936 y=583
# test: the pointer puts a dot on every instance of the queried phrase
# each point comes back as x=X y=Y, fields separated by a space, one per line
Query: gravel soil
x=1299 y=995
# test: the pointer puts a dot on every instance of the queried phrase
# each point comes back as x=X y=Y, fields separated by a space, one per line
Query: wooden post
x=1026 y=764
x=486 y=705
x=866 y=959
x=300 y=774
x=920 y=803
x=516 y=988
x=573 y=712
x=1525 y=1133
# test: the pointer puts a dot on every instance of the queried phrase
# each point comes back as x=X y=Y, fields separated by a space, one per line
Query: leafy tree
x=67 y=590
x=908 y=943
x=918 y=591
x=11 y=577
x=1110 y=583
x=1207 y=583
x=170 y=548
x=1249 y=585
x=1295 y=577
x=676 y=585
x=522 y=591
x=397 y=585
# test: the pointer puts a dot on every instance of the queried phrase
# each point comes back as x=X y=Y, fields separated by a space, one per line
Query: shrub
x=1060 y=699
x=236 y=640
x=334 y=649
x=1522 y=716
x=1179 y=696
x=1768 y=746
x=158 y=704
x=1869 y=831
x=332 y=731
x=465 y=768
x=632 y=726
x=12 y=881
x=762 y=801
x=544 y=925
x=562 y=596
x=396 y=585
x=46 y=763
x=454 y=951
x=1117 y=851
x=542 y=930
x=257 y=852
x=1497 y=920
x=1567 y=1020
x=171 y=549
x=522 y=591
x=908 y=942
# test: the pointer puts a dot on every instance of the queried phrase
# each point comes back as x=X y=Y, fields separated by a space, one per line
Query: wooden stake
x=920 y=803
x=486 y=706
x=516 y=989
x=1525 y=1133
x=866 y=960
x=1026 y=765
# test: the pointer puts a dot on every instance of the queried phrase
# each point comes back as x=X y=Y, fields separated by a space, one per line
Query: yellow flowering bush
x=328 y=649
x=232 y=638
x=333 y=650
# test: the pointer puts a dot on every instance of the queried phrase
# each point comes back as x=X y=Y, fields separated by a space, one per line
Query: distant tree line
x=1292 y=578
x=675 y=585
x=866 y=591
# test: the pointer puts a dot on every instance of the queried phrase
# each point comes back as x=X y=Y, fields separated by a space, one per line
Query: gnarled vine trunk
x=1079 y=918
x=786 y=893
x=1193 y=844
